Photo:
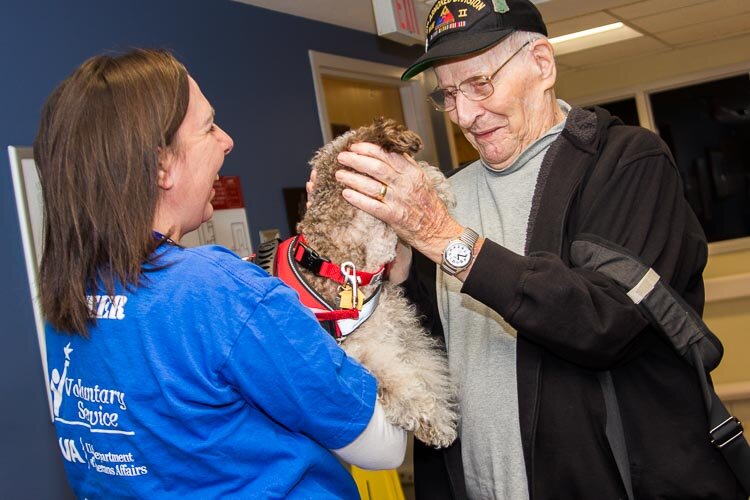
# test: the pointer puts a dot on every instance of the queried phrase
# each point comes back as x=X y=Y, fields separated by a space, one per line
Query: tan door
x=354 y=103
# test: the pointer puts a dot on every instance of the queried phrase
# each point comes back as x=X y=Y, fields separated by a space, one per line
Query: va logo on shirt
x=69 y=450
x=57 y=382
x=98 y=408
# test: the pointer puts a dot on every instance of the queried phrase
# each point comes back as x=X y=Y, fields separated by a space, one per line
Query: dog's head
x=389 y=135
x=334 y=227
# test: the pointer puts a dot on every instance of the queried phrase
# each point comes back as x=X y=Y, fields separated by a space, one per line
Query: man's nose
x=466 y=111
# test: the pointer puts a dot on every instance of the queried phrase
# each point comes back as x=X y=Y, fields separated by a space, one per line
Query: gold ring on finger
x=382 y=192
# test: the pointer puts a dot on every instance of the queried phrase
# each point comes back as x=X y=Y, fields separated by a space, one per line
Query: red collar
x=321 y=266
x=295 y=252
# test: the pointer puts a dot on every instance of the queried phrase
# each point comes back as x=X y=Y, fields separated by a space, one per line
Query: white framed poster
x=29 y=204
x=228 y=225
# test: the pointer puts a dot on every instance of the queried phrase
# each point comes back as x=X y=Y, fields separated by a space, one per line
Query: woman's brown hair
x=97 y=150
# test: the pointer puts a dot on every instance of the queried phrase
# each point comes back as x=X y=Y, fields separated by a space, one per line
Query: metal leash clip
x=349 y=271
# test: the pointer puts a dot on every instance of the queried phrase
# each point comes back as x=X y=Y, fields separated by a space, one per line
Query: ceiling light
x=594 y=37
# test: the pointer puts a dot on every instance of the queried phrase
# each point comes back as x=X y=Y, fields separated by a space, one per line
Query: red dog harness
x=353 y=309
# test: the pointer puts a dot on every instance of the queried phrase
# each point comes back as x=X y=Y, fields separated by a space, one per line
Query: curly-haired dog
x=413 y=381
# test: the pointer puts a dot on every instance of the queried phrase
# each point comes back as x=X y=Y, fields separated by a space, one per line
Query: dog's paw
x=434 y=423
x=436 y=439
x=438 y=433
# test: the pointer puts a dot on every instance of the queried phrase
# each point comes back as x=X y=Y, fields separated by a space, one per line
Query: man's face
x=501 y=126
x=200 y=149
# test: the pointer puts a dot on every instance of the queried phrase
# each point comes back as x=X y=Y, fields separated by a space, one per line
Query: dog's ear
x=395 y=138
x=439 y=181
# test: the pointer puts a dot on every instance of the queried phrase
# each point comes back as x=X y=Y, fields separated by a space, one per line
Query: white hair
x=515 y=40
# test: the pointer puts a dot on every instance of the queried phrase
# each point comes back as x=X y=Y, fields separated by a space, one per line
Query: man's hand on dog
x=400 y=266
x=411 y=205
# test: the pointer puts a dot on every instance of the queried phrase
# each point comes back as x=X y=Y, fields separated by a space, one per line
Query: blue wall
x=251 y=63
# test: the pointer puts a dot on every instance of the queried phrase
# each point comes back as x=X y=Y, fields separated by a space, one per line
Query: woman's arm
x=381 y=445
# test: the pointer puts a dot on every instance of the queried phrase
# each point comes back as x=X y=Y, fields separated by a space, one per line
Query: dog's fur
x=413 y=381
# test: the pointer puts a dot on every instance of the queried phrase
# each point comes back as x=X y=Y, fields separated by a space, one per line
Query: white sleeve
x=381 y=445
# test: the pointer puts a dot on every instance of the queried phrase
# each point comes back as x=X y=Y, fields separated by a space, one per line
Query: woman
x=178 y=372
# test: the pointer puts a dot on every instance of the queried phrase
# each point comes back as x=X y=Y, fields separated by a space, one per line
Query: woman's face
x=200 y=147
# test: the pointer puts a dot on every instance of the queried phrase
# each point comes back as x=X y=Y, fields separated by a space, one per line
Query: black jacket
x=619 y=183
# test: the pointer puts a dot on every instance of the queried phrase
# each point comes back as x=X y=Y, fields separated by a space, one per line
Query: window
x=707 y=127
x=624 y=109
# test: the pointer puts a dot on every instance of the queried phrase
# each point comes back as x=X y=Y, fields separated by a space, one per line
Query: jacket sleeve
x=581 y=315
x=419 y=289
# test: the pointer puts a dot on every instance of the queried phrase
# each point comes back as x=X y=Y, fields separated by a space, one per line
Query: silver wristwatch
x=459 y=253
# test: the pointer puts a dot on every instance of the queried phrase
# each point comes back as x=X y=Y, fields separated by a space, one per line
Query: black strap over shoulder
x=689 y=335
x=265 y=257
x=615 y=432
x=667 y=310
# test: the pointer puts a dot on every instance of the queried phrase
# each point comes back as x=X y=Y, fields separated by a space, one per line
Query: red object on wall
x=228 y=193
x=406 y=16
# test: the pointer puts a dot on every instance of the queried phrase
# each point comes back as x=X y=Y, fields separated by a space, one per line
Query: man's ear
x=165 y=173
x=544 y=56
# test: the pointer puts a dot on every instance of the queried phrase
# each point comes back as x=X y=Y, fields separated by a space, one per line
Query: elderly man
x=529 y=335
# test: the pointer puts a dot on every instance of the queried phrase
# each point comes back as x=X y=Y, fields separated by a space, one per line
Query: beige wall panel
x=710 y=30
x=650 y=7
x=635 y=47
x=730 y=321
x=741 y=410
x=641 y=71
x=579 y=24
x=727 y=265
x=705 y=12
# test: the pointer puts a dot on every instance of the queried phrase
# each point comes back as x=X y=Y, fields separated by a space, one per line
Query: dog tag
x=346 y=299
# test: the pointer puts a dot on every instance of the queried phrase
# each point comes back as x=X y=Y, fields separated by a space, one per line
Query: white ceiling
x=665 y=24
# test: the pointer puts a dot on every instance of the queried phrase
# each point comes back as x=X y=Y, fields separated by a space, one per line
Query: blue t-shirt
x=209 y=380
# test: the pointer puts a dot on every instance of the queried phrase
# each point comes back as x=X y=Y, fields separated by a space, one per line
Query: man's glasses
x=476 y=88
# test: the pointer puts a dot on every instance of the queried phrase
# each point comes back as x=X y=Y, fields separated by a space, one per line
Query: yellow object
x=378 y=485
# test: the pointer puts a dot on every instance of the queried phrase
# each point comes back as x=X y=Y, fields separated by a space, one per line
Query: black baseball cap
x=457 y=28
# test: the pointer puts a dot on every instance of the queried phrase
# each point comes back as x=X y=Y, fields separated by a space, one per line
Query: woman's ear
x=544 y=57
x=165 y=173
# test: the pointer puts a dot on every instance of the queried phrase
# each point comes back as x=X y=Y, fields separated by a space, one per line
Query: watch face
x=458 y=254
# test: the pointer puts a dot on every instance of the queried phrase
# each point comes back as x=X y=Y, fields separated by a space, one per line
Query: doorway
x=354 y=103
x=352 y=92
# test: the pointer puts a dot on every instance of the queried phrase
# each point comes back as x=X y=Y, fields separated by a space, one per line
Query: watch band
x=469 y=238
